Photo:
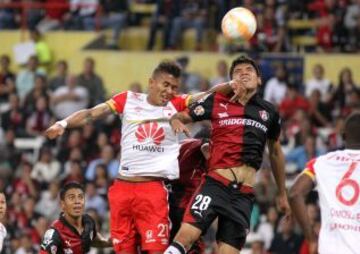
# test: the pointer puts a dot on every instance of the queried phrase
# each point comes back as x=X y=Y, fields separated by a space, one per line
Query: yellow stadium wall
x=120 y=68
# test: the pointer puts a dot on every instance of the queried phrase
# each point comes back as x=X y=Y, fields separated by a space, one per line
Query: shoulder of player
x=87 y=219
x=264 y=103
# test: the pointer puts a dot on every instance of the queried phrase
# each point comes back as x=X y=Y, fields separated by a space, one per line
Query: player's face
x=246 y=75
x=73 y=203
x=162 y=88
x=2 y=205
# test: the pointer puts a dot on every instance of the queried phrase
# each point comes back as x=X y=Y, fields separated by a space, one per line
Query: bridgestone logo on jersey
x=151 y=149
x=244 y=122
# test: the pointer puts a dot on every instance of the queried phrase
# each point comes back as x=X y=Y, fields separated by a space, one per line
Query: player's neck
x=245 y=99
x=76 y=222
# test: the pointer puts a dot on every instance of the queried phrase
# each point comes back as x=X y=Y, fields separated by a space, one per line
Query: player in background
x=194 y=153
x=74 y=232
x=3 y=231
x=149 y=150
x=336 y=176
x=240 y=129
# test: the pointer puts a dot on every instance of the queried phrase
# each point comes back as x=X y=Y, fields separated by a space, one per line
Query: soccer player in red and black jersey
x=74 y=232
x=242 y=123
x=192 y=163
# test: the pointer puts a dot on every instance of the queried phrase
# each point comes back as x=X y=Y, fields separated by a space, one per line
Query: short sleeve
x=202 y=109
x=51 y=242
x=117 y=102
x=310 y=169
x=181 y=102
x=275 y=127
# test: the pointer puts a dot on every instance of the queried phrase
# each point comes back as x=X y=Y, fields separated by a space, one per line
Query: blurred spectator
x=353 y=104
x=7 y=79
x=304 y=153
x=92 y=82
x=40 y=119
x=319 y=112
x=82 y=12
x=46 y=169
x=189 y=81
x=76 y=173
x=106 y=158
x=61 y=73
x=26 y=78
x=346 y=84
x=94 y=200
x=53 y=16
x=8 y=16
x=39 y=90
x=335 y=139
x=24 y=185
x=14 y=118
x=265 y=190
x=275 y=88
x=114 y=15
x=68 y=99
x=268 y=226
x=26 y=245
x=71 y=141
x=43 y=52
x=193 y=14
x=166 y=11
x=286 y=241
x=33 y=15
x=222 y=73
x=9 y=155
x=135 y=87
x=48 y=204
x=318 y=82
x=292 y=101
x=101 y=180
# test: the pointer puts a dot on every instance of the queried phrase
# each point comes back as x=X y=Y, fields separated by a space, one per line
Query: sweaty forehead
x=243 y=66
x=74 y=192
x=167 y=77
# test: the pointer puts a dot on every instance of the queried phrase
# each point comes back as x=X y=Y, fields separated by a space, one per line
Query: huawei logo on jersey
x=150 y=130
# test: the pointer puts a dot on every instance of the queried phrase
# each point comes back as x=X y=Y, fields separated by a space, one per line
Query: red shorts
x=139 y=210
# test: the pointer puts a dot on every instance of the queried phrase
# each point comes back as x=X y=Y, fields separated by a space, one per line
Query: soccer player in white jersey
x=2 y=216
x=337 y=178
x=138 y=198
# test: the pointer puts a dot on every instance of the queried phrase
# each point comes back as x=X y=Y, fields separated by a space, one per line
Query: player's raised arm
x=78 y=119
x=298 y=192
x=178 y=121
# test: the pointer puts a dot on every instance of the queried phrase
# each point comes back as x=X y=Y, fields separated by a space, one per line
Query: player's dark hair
x=243 y=60
x=169 y=67
x=351 y=130
x=68 y=186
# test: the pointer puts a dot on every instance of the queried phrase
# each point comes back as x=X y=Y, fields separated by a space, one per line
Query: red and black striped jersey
x=239 y=133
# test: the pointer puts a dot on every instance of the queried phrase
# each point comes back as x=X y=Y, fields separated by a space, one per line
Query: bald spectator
x=92 y=82
x=318 y=82
x=275 y=88
x=69 y=99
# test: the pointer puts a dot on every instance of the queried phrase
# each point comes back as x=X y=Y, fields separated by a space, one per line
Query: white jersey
x=149 y=147
x=3 y=234
x=337 y=175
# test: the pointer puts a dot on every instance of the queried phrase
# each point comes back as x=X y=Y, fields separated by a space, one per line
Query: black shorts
x=232 y=204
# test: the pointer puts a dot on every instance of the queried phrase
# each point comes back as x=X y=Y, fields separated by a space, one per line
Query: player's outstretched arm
x=277 y=161
x=78 y=119
x=298 y=192
x=178 y=121
x=101 y=242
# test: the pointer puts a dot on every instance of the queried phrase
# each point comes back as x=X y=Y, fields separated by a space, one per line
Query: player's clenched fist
x=55 y=130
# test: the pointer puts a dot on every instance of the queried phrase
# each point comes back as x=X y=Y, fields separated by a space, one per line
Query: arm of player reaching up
x=298 y=192
x=277 y=162
x=101 y=242
x=178 y=121
x=78 y=119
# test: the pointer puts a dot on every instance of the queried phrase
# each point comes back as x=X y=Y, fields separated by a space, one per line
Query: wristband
x=63 y=123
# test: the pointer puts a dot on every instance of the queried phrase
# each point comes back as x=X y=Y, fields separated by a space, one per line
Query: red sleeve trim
x=181 y=102
x=117 y=102
x=310 y=167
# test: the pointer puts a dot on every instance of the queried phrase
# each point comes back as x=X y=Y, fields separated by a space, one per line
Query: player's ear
x=259 y=81
x=151 y=82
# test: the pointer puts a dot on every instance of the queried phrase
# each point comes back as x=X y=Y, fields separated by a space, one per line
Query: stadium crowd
x=332 y=25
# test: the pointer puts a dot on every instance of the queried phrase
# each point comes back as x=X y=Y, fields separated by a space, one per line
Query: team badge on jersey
x=48 y=236
x=264 y=115
x=199 y=110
